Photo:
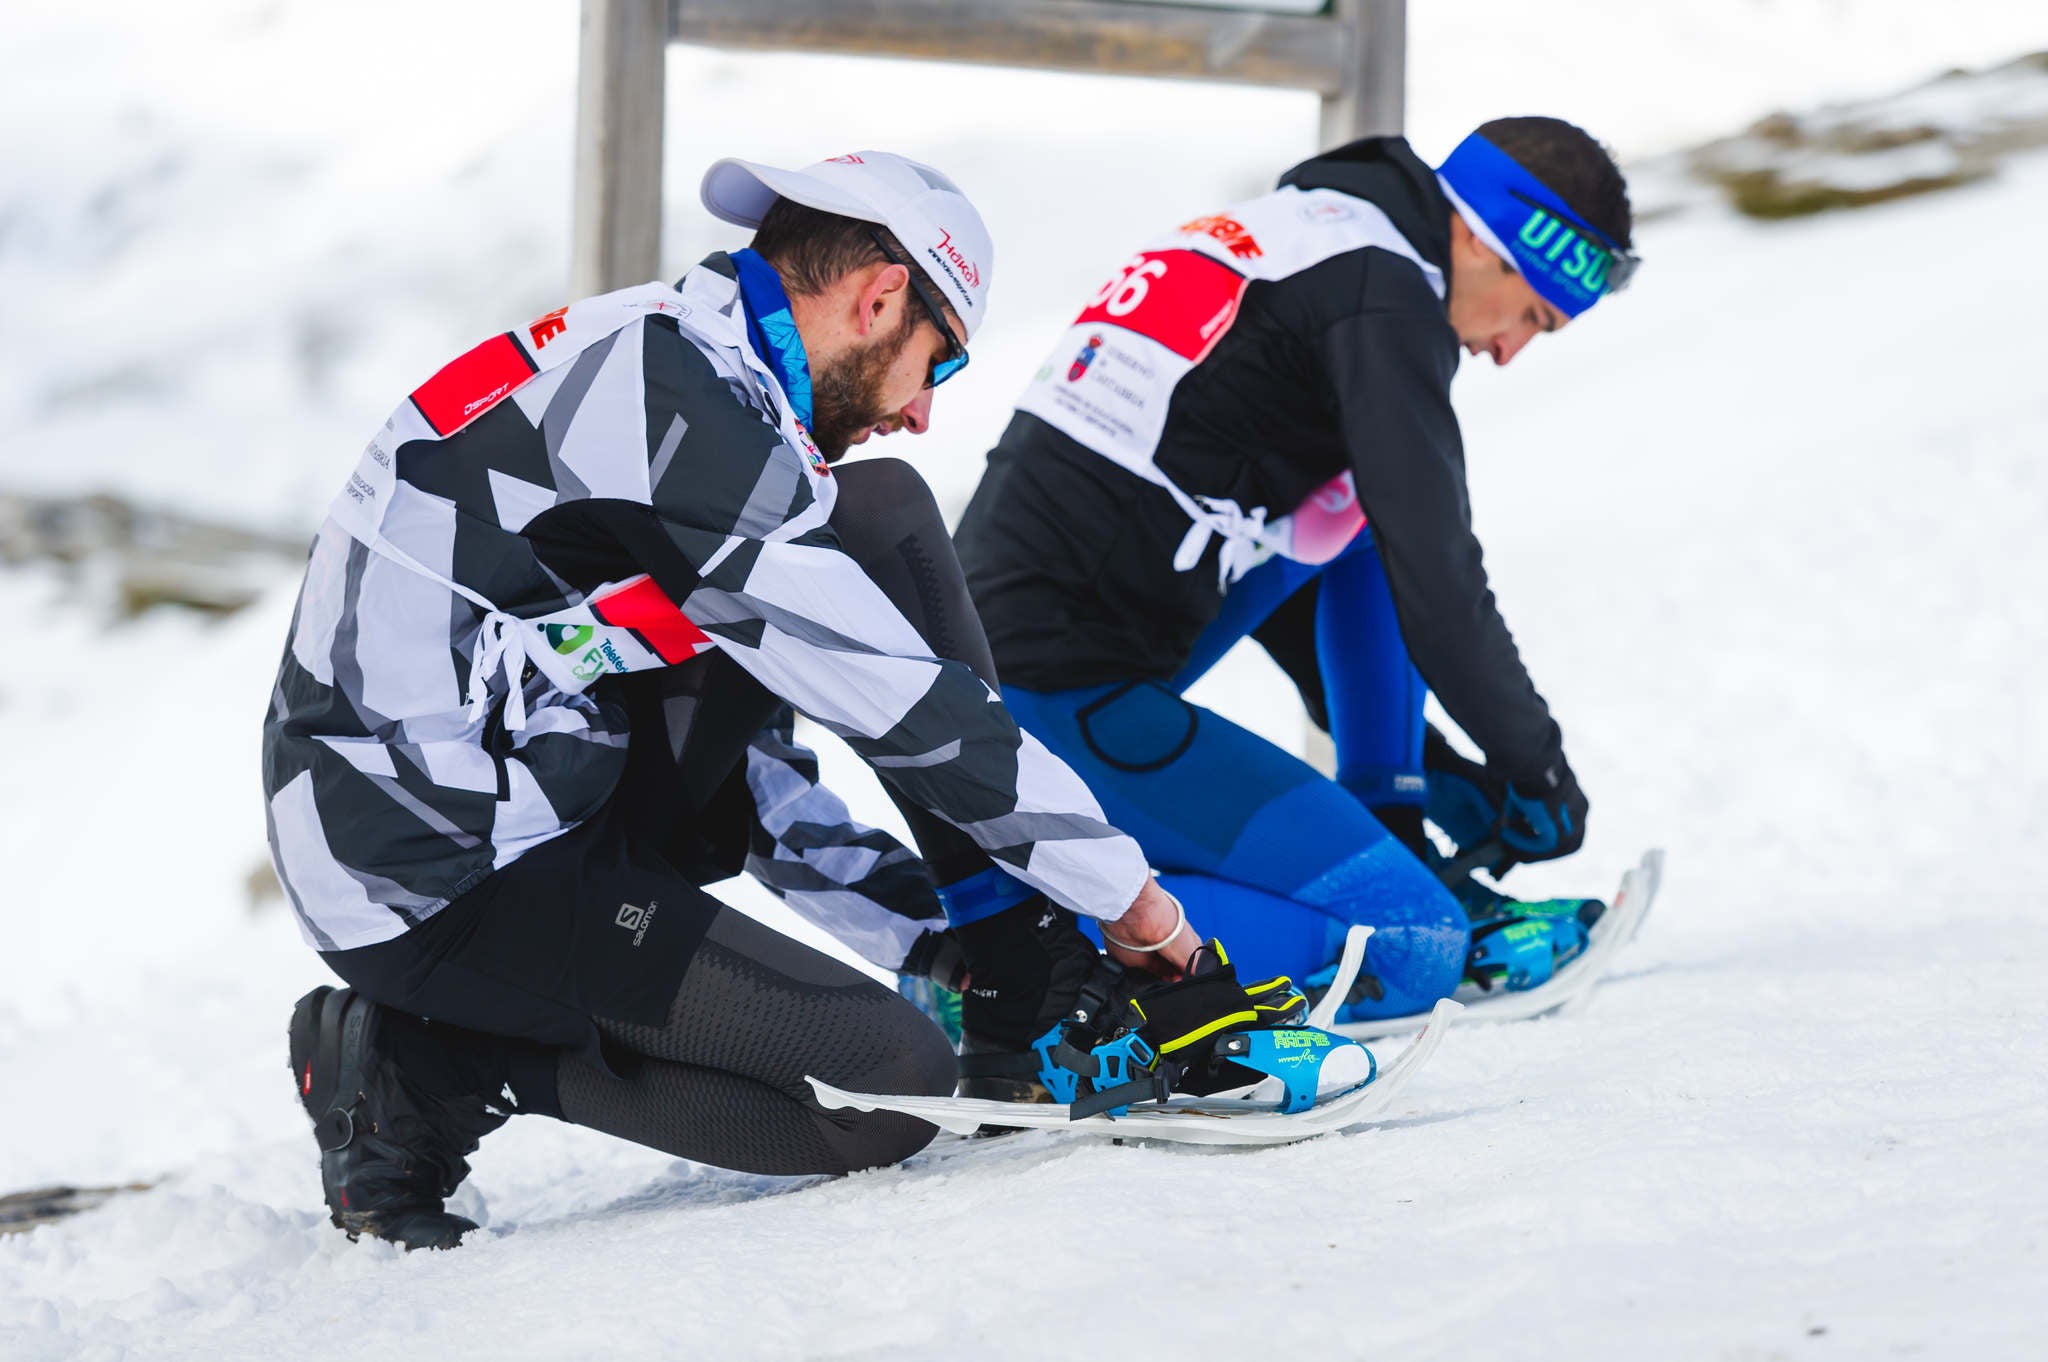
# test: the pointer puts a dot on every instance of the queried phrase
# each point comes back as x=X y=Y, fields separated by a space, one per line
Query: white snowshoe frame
x=1215 y=1120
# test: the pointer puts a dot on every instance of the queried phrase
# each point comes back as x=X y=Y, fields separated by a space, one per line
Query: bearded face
x=846 y=393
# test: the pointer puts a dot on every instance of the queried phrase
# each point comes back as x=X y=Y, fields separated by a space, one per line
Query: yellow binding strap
x=1210 y=1029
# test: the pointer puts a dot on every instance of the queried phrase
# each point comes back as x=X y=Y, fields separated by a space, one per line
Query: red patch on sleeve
x=646 y=609
x=471 y=384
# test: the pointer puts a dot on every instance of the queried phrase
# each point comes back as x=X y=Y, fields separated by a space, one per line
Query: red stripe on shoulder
x=471 y=384
x=646 y=609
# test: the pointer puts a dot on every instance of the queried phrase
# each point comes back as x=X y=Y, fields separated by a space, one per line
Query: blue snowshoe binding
x=1204 y=1035
x=1519 y=944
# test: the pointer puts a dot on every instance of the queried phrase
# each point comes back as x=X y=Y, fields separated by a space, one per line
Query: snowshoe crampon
x=1523 y=947
x=1203 y=1035
x=1202 y=1061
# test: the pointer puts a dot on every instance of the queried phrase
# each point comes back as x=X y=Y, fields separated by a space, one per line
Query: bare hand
x=1152 y=916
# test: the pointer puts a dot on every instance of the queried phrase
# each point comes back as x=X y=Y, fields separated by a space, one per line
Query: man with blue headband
x=1248 y=430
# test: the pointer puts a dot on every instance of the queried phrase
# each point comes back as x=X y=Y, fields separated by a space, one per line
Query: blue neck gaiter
x=772 y=329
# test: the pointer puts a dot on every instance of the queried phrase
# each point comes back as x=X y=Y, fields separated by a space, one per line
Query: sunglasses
x=956 y=352
x=1621 y=265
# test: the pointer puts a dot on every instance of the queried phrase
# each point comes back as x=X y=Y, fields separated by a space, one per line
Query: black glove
x=1026 y=965
x=939 y=957
x=1544 y=816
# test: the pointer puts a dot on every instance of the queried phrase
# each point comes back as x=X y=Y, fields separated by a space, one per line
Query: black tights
x=723 y=1081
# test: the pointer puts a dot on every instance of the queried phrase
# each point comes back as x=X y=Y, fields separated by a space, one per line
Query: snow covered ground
x=1767 y=528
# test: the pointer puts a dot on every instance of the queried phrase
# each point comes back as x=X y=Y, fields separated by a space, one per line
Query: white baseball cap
x=926 y=211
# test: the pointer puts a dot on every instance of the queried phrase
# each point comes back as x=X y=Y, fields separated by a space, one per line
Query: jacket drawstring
x=500 y=646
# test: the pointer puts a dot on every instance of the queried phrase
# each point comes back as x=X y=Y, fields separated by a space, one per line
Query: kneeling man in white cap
x=536 y=696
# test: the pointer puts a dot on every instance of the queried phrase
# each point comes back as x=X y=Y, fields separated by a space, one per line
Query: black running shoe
x=390 y=1153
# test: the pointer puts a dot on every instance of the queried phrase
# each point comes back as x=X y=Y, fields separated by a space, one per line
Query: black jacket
x=1345 y=364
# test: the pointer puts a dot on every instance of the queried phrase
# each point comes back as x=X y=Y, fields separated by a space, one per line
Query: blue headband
x=1569 y=264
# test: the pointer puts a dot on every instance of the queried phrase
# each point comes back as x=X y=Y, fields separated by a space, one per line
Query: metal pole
x=1375 y=93
x=624 y=56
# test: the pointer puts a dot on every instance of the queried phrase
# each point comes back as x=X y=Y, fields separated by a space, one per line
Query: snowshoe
x=1519 y=944
x=390 y=1151
x=1570 y=944
x=1269 y=1070
x=1206 y=1035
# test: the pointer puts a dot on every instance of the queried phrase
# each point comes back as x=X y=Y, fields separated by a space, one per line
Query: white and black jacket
x=615 y=487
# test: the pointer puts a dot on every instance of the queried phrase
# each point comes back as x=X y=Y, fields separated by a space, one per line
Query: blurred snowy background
x=1767 y=528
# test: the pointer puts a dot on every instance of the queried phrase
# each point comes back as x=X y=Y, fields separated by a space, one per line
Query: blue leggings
x=1268 y=854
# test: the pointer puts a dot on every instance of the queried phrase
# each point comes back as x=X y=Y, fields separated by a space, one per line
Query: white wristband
x=1181 y=921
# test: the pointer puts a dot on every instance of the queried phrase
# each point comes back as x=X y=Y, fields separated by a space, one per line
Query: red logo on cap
x=849 y=159
x=969 y=271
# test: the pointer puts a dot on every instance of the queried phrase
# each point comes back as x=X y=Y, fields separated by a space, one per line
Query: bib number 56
x=1126 y=288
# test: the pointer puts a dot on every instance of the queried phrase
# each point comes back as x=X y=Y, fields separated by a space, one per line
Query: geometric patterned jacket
x=620 y=485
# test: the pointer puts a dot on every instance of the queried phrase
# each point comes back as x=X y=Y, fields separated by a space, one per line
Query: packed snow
x=1767 y=527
